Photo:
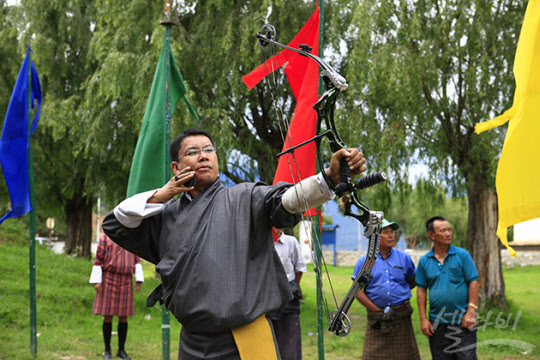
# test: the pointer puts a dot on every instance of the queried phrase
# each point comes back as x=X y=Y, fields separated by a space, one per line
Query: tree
x=422 y=74
x=12 y=56
x=97 y=61
x=413 y=205
x=61 y=32
x=245 y=123
x=94 y=70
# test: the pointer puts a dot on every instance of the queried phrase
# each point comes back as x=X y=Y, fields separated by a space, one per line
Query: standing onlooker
x=287 y=322
x=448 y=272
x=112 y=276
x=389 y=333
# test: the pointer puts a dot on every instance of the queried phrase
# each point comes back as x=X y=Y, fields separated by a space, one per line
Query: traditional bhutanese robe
x=211 y=250
x=216 y=257
x=118 y=265
x=390 y=335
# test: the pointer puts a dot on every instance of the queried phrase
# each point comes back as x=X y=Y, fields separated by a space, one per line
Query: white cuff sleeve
x=308 y=193
x=139 y=275
x=133 y=210
x=95 y=277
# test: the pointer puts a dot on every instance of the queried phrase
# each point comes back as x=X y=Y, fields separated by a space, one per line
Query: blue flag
x=15 y=140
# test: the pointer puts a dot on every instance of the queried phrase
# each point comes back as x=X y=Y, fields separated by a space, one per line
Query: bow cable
x=287 y=139
x=338 y=321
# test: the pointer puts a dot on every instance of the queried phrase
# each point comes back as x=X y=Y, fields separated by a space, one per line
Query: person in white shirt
x=287 y=321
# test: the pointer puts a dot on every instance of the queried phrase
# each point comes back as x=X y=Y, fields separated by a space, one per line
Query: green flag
x=151 y=155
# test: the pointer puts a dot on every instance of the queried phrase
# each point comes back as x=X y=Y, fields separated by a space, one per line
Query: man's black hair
x=429 y=223
x=177 y=142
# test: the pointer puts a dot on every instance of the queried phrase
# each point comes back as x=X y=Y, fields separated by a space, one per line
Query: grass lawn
x=500 y=335
x=68 y=330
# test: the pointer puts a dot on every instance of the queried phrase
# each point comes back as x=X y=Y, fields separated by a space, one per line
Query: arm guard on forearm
x=308 y=193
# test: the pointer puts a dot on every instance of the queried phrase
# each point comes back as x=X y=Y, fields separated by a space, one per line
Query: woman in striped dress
x=112 y=276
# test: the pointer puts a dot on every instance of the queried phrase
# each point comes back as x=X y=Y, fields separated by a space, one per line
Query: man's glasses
x=196 y=152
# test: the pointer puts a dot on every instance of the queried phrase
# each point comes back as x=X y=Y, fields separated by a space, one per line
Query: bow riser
x=338 y=322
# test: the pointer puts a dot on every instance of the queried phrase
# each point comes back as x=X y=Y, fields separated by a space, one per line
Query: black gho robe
x=215 y=254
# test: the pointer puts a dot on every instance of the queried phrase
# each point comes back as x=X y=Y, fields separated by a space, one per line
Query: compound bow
x=338 y=320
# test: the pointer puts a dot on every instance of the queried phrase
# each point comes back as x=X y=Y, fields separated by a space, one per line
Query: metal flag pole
x=321 y=324
x=165 y=316
x=32 y=230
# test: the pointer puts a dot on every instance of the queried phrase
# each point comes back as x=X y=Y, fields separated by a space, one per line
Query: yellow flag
x=518 y=172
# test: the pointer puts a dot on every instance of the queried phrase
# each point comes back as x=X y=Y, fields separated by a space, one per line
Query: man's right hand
x=98 y=287
x=426 y=327
x=173 y=187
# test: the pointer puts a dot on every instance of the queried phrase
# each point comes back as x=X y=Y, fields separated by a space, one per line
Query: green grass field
x=68 y=330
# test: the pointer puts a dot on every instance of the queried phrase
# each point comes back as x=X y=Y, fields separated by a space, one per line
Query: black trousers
x=210 y=346
x=289 y=337
x=453 y=342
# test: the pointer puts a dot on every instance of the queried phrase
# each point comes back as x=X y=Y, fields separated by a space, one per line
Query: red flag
x=303 y=76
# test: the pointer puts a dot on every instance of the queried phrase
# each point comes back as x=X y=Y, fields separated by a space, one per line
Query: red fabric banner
x=303 y=76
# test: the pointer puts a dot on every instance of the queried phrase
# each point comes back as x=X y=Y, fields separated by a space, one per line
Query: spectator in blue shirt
x=389 y=334
x=449 y=274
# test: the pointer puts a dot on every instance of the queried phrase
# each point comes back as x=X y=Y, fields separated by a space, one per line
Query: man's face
x=442 y=233
x=388 y=238
x=204 y=163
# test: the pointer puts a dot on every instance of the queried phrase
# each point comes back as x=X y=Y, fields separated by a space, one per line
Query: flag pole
x=165 y=316
x=32 y=230
x=318 y=253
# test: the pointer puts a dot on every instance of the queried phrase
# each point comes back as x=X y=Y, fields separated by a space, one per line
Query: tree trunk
x=79 y=225
x=484 y=245
x=412 y=242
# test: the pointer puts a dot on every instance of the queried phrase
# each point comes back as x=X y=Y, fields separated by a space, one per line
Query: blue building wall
x=347 y=233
